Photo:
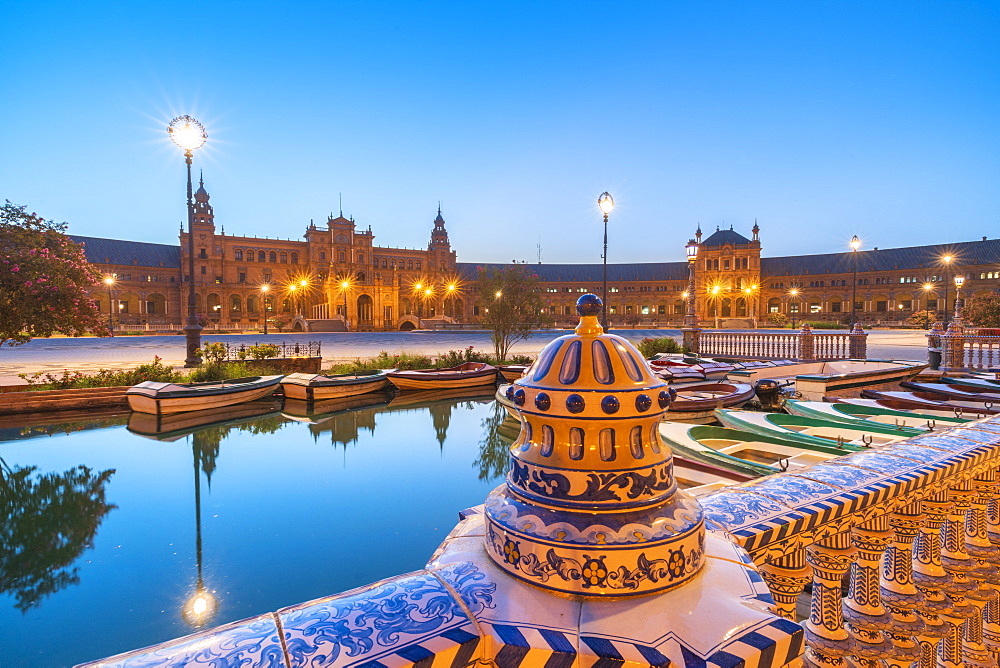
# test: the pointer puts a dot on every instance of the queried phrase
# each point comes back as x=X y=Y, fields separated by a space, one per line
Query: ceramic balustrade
x=803 y=345
x=962 y=350
x=916 y=522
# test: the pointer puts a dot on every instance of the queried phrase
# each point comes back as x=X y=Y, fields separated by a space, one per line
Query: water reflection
x=35 y=425
x=499 y=432
x=202 y=604
x=48 y=521
x=175 y=426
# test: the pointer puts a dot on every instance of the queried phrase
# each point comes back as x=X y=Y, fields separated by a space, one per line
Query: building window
x=342 y=257
x=203 y=271
x=272 y=256
x=384 y=263
x=409 y=264
x=267 y=277
x=250 y=256
x=295 y=258
x=283 y=257
x=151 y=308
x=418 y=265
x=725 y=264
x=218 y=279
x=238 y=254
x=202 y=253
x=835 y=307
x=361 y=258
x=243 y=277
x=814 y=307
x=881 y=307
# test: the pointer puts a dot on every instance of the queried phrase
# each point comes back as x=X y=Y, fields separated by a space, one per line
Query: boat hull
x=146 y=400
x=321 y=388
x=697 y=402
x=443 y=379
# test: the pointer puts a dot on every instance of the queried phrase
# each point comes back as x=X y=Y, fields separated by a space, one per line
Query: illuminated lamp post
x=691 y=318
x=855 y=245
x=606 y=204
x=428 y=293
x=345 y=286
x=110 y=281
x=946 y=261
x=715 y=303
x=189 y=135
x=927 y=287
x=295 y=302
x=959 y=282
x=748 y=291
x=794 y=292
x=263 y=303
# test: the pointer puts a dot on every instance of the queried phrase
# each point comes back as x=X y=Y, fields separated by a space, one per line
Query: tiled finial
x=591 y=506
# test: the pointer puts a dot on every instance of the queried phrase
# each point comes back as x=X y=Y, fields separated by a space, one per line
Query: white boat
x=317 y=387
x=812 y=430
x=814 y=380
x=163 y=398
x=853 y=413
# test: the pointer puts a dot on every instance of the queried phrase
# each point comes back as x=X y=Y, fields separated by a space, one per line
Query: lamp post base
x=192 y=332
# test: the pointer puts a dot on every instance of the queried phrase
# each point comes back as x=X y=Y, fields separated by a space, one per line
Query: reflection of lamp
x=202 y=604
x=190 y=135
x=606 y=204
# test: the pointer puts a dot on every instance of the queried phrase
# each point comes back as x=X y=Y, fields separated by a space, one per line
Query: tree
x=921 y=319
x=983 y=311
x=44 y=280
x=779 y=319
x=510 y=304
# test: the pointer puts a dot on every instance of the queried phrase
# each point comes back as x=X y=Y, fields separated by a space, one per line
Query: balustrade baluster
x=979 y=545
x=787 y=578
x=932 y=580
x=864 y=613
x=826 y=636
x=899 y=595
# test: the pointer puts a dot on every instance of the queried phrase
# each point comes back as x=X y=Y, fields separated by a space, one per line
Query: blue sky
x=820 y=119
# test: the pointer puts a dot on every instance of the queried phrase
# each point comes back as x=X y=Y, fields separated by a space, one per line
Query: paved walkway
x=88 y=354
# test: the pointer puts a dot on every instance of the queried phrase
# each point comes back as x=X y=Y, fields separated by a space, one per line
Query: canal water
x=111 y=525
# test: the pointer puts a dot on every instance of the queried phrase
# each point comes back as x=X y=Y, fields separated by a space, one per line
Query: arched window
x=238 y=254
x=235 y=304
x=393 y=264
x=252 y=304
x=295 y=258
x=261 y=256
x=418 y=265
x=361 y=258
x=361 y=277
x=283 y=257
x=409 y=264
x=342 y=257
x=250 y=257
x=273 y=256
x=383 y=264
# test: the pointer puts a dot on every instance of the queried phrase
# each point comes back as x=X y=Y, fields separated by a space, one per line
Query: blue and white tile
x=251 y=642
x=380 y=620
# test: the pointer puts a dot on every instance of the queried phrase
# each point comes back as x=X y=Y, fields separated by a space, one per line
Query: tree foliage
x=44 y=280
x=922 y=319
x=50 y=519
x=982 y=311
x=510 y=305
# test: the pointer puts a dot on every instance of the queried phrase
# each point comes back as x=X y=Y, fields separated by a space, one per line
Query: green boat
x=743 y=451
x=852 y=413
x=814 y=430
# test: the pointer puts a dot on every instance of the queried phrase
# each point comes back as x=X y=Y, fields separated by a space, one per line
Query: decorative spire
x=590 y=407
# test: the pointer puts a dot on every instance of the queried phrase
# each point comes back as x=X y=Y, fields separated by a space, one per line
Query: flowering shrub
x=44 y=280
x=262 y=351
x=213 y=353
x=69 y=380
x=650 y=346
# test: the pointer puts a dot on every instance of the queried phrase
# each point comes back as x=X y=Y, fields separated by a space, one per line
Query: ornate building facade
x=337 y=278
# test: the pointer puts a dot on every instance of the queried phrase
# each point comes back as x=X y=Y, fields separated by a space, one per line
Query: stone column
x=826 y=637
x=806 y=343
x=953 y=348
x=931 y=578
x=858 y=347
x=864 y=612
x=691 y=339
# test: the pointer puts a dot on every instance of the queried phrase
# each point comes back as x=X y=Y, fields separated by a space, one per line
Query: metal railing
x=285 y=350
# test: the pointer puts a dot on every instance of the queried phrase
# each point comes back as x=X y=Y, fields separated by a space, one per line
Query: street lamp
x=714 y=290
x=794 y=292
x=927 y=287
x=748 y=291
x=855 y=245
x=263 y=303
x=110 y=281
x=946 y=260
x=959 y=282
x=606 y=204
x=345 y=285
x=295 y=302
x=189 y=135
x=304 y=284
x=691 y=250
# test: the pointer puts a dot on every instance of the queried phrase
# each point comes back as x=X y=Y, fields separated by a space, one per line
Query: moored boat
x=949 y=391
x=163 y=398
x=814 y=380
x=317 y=387
x=697 y=402
x=812 y=430
x=699 y=478
x=973 y=384
x=743 y=451
x=854 y=413
x=511 y=372
x=469 y=374
x=174 y=426
x=904 y=400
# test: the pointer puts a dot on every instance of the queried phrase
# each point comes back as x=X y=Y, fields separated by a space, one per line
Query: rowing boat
x=924 y=400
x=812 y=430
x=317 y=387
x=814 y=380
x=174 y=426
x=511 y=372
x=759 y=454
x=162 y=398
x=949 y=391
x=469 y=374
x=697 y=402
x=853 y=413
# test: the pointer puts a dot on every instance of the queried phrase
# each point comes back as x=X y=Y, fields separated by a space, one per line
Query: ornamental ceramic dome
x=590 y=505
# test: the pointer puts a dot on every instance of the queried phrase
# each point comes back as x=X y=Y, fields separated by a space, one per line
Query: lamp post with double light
x=110 y=281
x=855 y=245
x=691 y=250
x=606 y=204
x=264 y=289
x=189 y=135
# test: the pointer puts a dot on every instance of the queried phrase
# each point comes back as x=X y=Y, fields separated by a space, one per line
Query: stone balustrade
x=962 y=350
x=802 y=345
x=916 y=527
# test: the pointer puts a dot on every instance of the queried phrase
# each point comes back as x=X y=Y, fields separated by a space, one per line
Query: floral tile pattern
x=251 y=642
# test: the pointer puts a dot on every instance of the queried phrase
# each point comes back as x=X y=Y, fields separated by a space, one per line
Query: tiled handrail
x=918 y=521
